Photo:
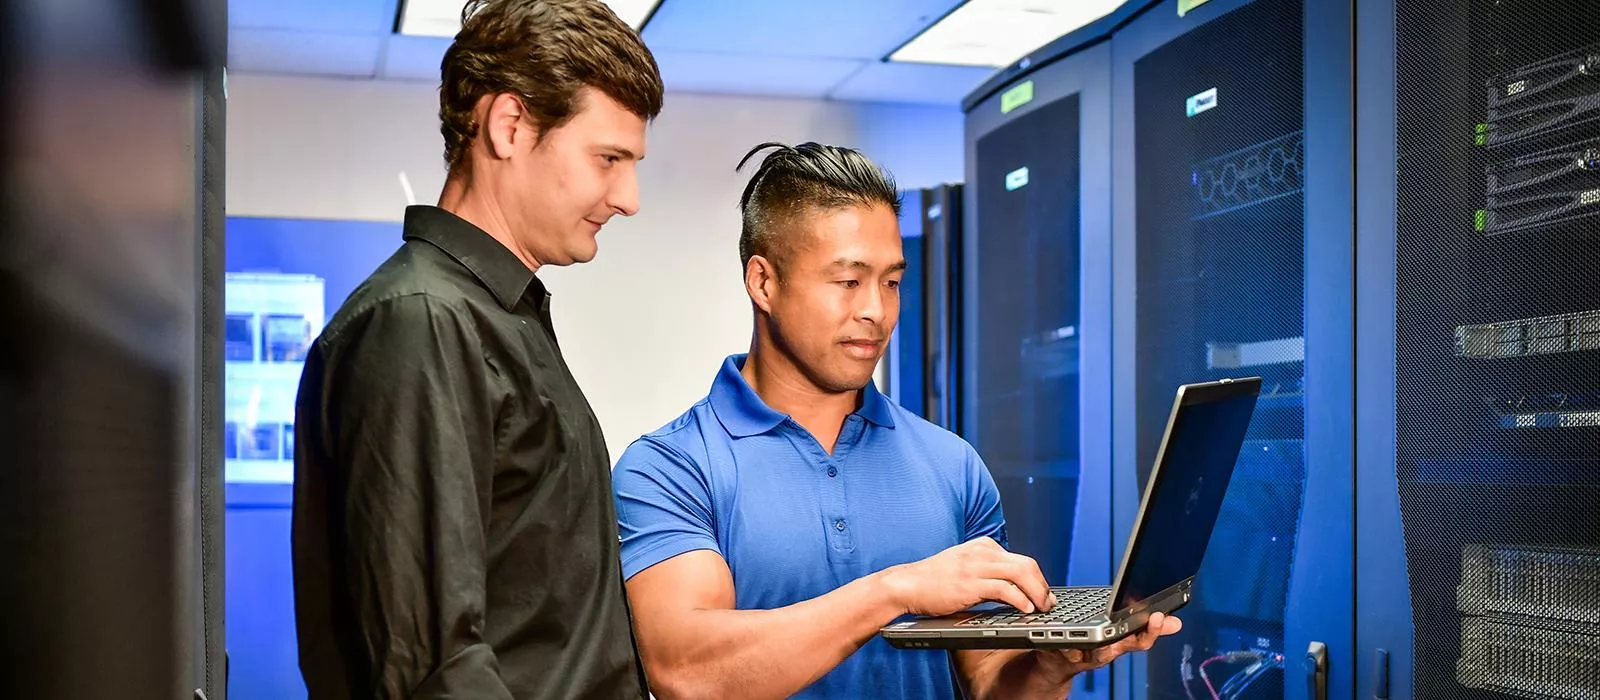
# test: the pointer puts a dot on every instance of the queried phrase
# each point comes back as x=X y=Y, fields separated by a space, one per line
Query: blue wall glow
x=260 y=584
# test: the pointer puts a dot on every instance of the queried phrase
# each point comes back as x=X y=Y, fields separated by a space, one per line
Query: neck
x=781 y=384
x=478 y=206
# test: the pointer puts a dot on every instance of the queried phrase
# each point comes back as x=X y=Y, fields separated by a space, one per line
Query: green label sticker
x=1479 y=219
x=1201 y=102
x=1185 y=5
x=1481 y=134
x=1017 y=178
x=1016 y=97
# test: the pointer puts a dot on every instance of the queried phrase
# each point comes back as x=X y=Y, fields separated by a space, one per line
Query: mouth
x=863 y=349
x=596 y=224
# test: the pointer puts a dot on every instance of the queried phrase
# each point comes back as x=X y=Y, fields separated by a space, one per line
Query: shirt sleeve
x=411 y=426
x=984 y=516
x=664 y=506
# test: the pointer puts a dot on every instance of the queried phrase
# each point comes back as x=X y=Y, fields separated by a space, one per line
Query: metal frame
x=1321 y=600
x=1383 y=598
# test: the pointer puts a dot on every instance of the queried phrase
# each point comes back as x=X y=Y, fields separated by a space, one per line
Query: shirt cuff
x=644 y=555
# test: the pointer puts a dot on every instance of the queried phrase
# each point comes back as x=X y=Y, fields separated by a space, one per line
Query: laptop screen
x=1187 y=488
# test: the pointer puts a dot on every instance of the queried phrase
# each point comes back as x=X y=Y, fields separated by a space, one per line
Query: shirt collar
x=742 y=412
x=489 y=260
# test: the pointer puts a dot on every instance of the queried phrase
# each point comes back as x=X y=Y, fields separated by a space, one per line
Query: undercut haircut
x=544 y=52
x=793 y=181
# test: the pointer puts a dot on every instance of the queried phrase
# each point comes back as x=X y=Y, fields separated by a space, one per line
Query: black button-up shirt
x=454 y=531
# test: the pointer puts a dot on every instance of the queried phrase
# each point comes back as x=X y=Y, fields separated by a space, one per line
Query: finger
x=1005 y=592
x=1024 y=573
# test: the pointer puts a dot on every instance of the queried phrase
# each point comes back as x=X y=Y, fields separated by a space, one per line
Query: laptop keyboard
x=1072 y=605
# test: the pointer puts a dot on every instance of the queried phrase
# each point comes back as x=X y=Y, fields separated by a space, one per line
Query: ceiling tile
x=858 y=29
x=323 y=16
x=277 y=51
x=910 y=82
x=685 y=71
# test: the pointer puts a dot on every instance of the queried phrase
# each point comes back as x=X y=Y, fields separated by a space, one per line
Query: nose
x=874 y=305
x=624 y=195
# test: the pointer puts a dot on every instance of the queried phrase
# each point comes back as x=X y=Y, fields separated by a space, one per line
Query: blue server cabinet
x=1036 y=331
x=1216 y=239
x=1479 y=215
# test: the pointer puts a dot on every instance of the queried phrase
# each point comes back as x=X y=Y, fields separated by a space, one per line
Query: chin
x=583 y=254
x=849 y=381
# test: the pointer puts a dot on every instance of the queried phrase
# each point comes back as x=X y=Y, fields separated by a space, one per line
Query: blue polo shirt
x=734 y=476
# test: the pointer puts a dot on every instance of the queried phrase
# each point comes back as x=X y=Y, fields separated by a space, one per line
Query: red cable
x=1207 y=679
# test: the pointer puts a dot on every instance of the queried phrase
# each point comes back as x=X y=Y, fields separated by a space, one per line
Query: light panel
x=442 y=18
x=995 y=33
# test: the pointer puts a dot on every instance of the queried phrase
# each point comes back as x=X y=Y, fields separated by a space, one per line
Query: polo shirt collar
x=506 y=277
x=742 y=412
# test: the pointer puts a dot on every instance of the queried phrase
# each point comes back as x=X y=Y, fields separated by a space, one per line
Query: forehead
x=602 y=122
x=870 y=234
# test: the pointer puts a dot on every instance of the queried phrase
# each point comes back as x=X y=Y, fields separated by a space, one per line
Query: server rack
x=1496 y=344
x=1037 y=312
x=941 y=309
x=908 y=343
x=1280 y=623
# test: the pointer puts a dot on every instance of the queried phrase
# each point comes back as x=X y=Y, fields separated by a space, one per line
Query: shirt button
x=833 y=471
x=838 y=525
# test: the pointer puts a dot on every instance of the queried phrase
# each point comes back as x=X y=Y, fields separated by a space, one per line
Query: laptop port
x=1037 y=634
x=1057 y=634
x=1080 y=634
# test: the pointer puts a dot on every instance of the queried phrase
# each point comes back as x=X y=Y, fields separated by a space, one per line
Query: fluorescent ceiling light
x=996 y=33
x=443 y=17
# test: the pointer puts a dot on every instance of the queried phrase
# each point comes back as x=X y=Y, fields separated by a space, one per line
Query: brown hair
x=544 y=52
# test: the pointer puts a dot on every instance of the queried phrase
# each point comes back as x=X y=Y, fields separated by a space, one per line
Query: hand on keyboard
x=965 y=575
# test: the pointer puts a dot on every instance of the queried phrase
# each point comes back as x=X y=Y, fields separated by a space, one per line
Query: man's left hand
x=1064 y=664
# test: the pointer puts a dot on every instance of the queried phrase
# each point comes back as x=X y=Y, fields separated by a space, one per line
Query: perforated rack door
x=1027 y=325
x=1497 y=435
x=1219 y=142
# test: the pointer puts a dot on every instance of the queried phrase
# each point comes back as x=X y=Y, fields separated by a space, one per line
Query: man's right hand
x=967 y=574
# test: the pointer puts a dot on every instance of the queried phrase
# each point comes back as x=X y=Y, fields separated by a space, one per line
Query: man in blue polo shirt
x=772 y=529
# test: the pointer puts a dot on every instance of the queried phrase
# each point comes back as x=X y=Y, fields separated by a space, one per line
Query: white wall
x=645 y=325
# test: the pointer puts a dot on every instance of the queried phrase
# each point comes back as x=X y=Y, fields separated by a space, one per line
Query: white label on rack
x=1516 y=87
x=1590 y=197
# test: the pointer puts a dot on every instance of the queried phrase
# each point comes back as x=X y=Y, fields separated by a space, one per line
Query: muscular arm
x=696 y=645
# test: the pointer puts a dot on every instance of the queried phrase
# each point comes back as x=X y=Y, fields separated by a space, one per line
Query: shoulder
x=411 y=287
x=679 y=445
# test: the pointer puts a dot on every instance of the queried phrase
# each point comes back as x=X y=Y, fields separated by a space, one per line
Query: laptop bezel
x=1202 y=392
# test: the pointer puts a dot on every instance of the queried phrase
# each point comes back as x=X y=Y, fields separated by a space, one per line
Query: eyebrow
x=861 y=265
x=625 y=153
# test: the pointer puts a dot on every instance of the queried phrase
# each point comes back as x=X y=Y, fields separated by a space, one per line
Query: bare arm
x=696 y=645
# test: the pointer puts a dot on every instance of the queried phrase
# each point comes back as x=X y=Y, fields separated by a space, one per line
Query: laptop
x=1182 y=500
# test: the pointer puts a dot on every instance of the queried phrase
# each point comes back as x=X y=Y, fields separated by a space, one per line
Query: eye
x=611 y=159
x=894 y=284
x=850 y=284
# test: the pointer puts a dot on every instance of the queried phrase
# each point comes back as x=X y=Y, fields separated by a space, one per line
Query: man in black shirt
x=454 y=532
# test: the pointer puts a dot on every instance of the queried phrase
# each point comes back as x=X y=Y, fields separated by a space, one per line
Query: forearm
x=1008 y=673
x=766 y=653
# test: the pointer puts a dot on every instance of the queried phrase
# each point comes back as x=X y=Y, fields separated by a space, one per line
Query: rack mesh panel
x=1220 y=229
x=1026 y=320
x=1497 y=362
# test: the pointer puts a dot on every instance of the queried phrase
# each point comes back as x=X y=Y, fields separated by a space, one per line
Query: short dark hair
x=544 y=52
x=795 y=179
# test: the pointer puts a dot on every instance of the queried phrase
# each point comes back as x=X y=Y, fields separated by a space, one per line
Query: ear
x=761 y=282
x=505 y=125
